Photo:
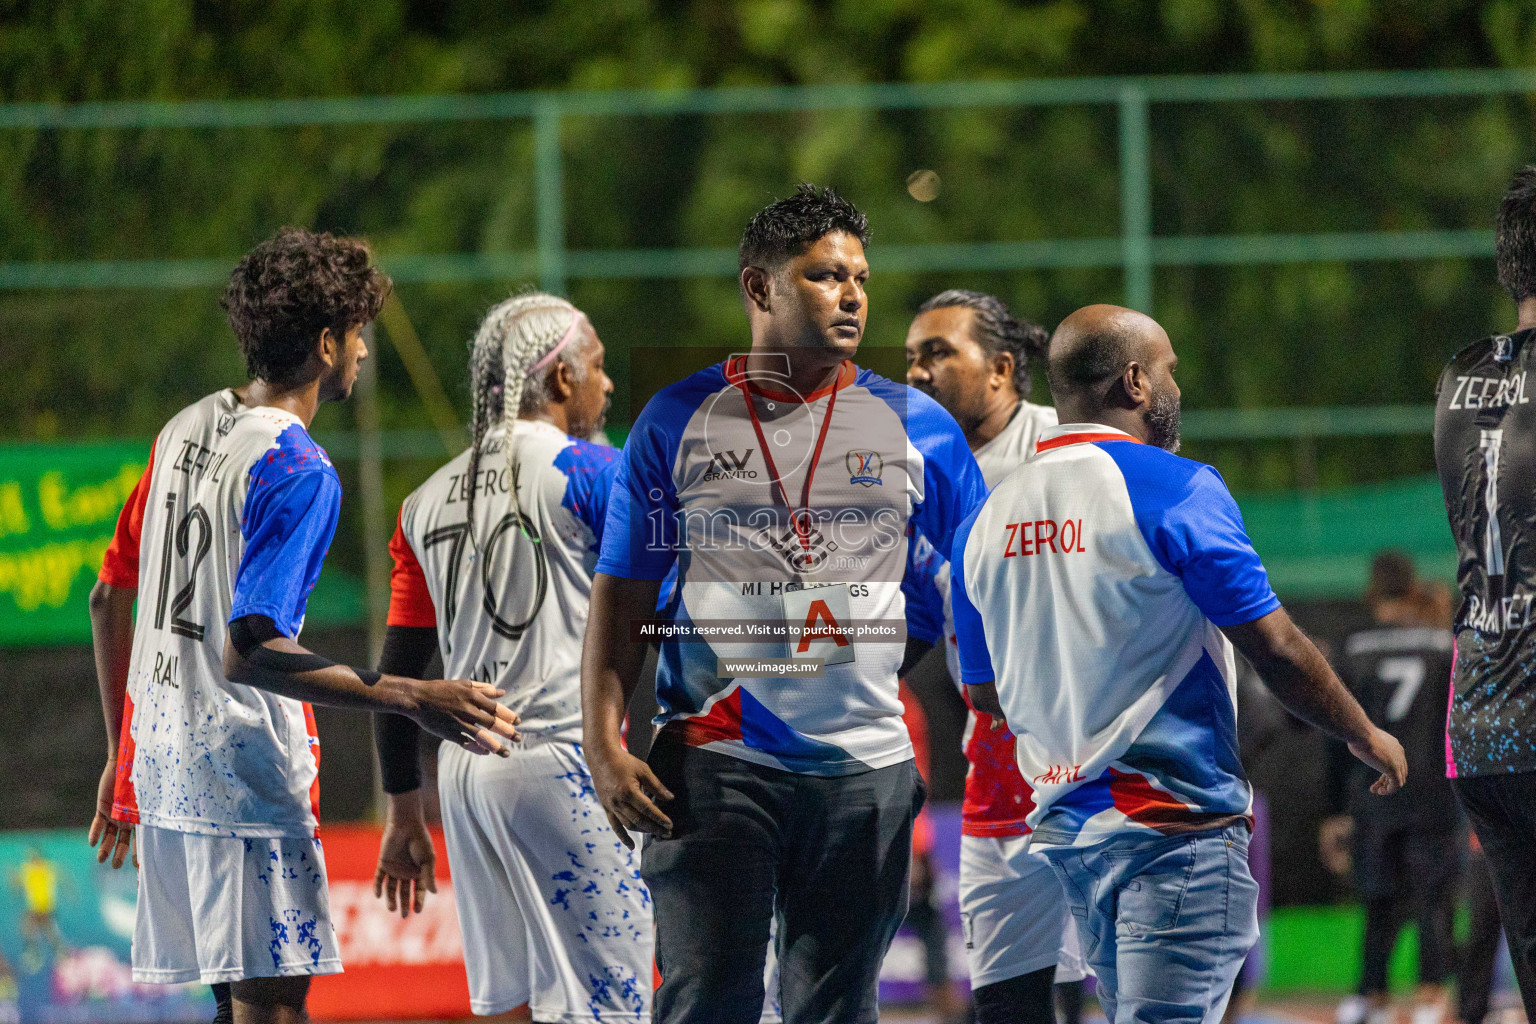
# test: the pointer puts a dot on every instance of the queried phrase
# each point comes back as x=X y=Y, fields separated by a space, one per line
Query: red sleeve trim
x=410 y=602
x=120 y=566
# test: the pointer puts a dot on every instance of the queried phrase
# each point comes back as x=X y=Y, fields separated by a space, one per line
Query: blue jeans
x=1165 y=920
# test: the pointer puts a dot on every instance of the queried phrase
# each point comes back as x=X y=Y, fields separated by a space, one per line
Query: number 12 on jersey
x=180 y=535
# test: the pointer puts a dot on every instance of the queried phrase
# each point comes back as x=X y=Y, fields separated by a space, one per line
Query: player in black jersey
x=1408 y=847
x=1485 y=448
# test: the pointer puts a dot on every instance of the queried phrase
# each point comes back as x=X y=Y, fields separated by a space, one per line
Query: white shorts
x=214 y=908
x=1014 y=913
x=550 y=901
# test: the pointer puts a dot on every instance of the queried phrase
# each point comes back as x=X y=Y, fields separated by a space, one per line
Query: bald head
x=1092 y=346
x=1112 y=365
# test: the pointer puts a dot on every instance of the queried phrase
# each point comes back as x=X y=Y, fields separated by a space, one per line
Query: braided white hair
x=514 y=336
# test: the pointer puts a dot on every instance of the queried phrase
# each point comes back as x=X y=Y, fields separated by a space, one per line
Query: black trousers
x=1474 y=973
x=1408 y=869
x=1502 y=810
x=828 y=856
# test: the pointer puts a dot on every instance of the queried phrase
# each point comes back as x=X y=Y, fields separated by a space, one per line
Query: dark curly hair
x=1514 y=239
x=290 y=288
x=786 y=228
x=996 y=330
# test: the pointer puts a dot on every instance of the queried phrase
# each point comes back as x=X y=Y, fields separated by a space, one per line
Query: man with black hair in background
x=1485 y=448
x=968 y=352
x=781 y=484
x=212 y=749
x=1408 y=847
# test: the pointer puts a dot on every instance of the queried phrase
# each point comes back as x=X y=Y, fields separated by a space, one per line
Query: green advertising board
x=59 y=505
x=58 y=509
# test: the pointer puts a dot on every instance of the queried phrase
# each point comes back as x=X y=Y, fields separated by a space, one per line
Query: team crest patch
x=864 y=467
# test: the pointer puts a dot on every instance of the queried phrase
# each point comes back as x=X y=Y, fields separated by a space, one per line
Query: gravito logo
x=727 y=465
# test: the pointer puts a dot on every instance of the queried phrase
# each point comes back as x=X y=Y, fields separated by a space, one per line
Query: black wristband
x=408 y=651
x=398 y=741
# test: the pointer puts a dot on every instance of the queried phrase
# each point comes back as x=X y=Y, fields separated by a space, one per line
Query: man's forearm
x=611 y=660
x=111 y=611
x=337 y=686
x=1298 y=674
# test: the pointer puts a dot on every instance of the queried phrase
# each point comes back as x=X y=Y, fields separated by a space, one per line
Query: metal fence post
x=1136 y=198
x=372 y=508
x=549 y=194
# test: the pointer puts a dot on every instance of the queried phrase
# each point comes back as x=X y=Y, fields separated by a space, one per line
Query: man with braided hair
x=213 y=751
x=494 y=557
x=967 y=351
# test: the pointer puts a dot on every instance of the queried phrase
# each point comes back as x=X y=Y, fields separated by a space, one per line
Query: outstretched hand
x=466 y=713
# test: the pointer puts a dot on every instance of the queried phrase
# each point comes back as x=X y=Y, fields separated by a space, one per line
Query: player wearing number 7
x=204 y=686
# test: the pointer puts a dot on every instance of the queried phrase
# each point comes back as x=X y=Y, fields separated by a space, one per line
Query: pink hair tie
x=565 y=339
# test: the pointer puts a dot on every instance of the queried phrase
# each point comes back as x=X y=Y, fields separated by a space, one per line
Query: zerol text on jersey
x=1490 y=392
x=1043 y=536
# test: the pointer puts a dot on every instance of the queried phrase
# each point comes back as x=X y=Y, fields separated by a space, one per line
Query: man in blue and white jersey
x=1094 y=596
x=206 y=689
x=781 y=484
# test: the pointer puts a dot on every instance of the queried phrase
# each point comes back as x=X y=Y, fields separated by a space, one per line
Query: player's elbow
x=111 y=611
x=236 y=668
x=104 y=597
x=100 y=600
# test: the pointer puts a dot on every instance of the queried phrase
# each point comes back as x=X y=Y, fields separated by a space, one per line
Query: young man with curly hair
x=212 y=747
x=781 y=786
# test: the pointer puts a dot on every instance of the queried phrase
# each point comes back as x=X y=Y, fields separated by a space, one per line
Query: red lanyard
x=800 y=518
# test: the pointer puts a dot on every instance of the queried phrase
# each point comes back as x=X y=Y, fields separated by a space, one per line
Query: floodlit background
x=1302 y=193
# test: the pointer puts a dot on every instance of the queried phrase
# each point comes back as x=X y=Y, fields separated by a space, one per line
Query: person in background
x=1408 y=848
x=1485 y=450
x=924 y=915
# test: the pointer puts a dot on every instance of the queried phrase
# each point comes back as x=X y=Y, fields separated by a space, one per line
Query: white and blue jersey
x=1092 y=586
x=695 y=492
x=233 y=518
x=509 y=597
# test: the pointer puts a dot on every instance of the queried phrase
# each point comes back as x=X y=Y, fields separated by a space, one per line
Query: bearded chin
x=1162 y=420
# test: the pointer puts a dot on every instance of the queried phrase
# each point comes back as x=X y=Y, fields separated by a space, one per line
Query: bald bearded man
x=1097 y=595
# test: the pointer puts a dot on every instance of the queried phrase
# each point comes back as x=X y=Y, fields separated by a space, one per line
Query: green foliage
x=91 y=363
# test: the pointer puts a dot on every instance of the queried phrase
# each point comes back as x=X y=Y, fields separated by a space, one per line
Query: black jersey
x=1485 y=448
x=1401 y=676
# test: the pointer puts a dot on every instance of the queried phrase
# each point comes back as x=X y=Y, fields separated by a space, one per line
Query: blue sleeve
x=288 y=523
x=925 y=605
x=970 y=637
x=640 y=533
x=589 y=470
x=953 y=486
x=667 y=592
x=1195 y=531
